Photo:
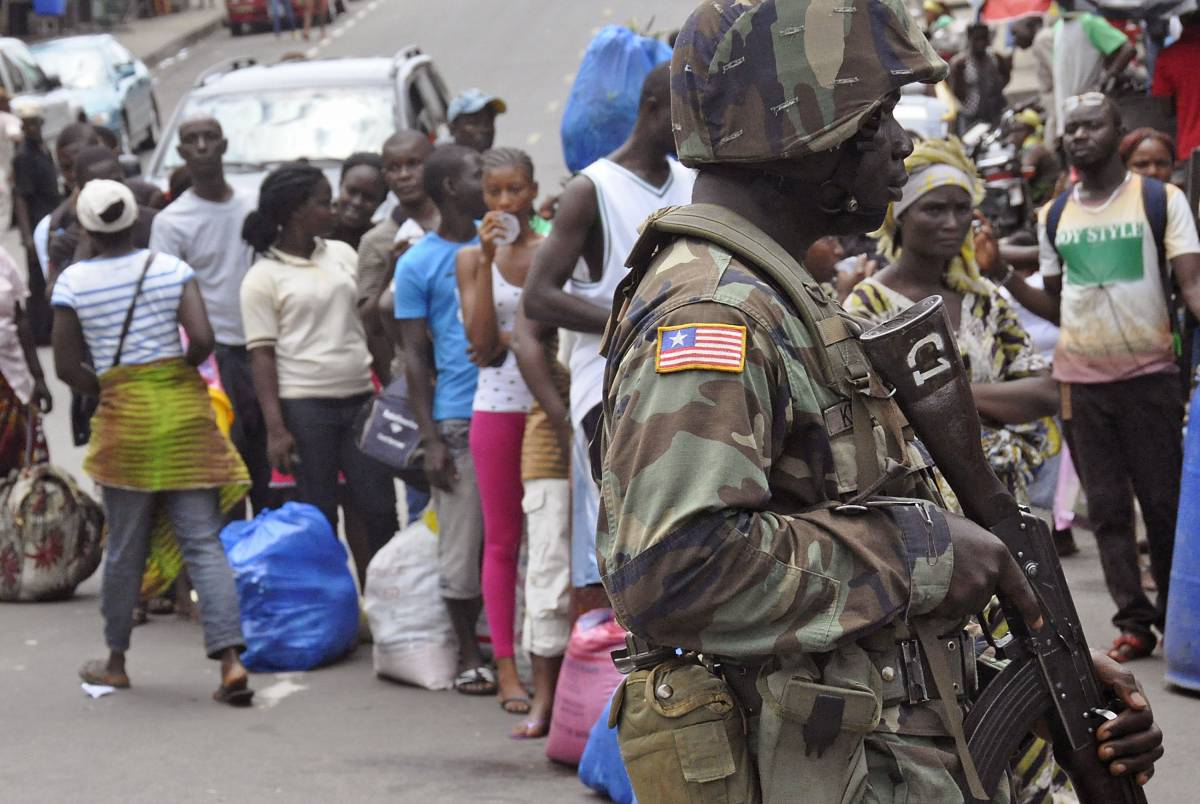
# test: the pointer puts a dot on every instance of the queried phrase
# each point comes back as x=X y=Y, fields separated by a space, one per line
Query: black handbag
x=84 y=406
x=391 y=436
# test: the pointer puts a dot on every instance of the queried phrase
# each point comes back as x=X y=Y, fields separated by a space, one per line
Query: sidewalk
x=158 y=38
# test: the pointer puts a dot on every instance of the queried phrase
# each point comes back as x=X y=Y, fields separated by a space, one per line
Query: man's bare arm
x=544 y=299
x=1187 y=274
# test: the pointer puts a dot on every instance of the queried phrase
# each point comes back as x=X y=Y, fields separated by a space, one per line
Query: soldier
x=747 y=448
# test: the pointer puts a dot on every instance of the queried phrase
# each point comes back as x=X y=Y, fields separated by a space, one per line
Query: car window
x=320 y=124
x=15 y=77
x=34 y=77
x=77 y=68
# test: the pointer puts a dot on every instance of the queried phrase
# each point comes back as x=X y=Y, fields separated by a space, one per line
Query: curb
x=173 y=46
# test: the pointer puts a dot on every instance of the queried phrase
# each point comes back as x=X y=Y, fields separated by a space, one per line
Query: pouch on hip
x=683 y=736
x=810 y=738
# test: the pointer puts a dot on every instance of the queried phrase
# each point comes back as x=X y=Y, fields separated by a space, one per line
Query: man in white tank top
x=577 y=270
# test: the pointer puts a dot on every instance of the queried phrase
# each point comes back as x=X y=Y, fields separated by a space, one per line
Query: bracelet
x=1007 y=276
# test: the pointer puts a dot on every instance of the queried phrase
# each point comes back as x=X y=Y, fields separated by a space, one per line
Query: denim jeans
x=196 y=518
x=277 y=9
x=326 y=435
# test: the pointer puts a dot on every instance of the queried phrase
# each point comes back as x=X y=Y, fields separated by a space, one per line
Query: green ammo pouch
x=810 y=739
x=683 y=736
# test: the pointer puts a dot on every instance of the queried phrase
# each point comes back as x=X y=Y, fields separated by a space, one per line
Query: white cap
x=100 y=196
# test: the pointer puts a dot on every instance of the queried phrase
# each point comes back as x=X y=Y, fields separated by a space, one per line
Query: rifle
x=1050 y=673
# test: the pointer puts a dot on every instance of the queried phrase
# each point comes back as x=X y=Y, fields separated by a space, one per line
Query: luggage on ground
x=601 y=767
x=51 y=534
x=298 y=599
x=585 y=684
x=413 y=639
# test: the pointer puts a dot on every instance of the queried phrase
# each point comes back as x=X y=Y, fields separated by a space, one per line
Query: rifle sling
x=947 y=704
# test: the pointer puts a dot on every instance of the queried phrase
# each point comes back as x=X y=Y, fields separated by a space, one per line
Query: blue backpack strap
x=1154 y=203
x=1054 y=216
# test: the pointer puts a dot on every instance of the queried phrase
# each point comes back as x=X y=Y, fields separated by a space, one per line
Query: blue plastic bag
x=298 y=599
x=601 y=767
x=603 y=103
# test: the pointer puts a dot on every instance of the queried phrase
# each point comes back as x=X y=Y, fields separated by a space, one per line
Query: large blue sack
x=601 y=767
x=603 y=103
x=298 y=599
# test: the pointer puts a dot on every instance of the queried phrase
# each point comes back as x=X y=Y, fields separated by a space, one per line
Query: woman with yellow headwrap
x=928 y=236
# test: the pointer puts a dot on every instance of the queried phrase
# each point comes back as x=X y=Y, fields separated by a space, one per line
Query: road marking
x=534 y=138
x=271 y=696
x=552 y=107
x=312 y=52
x=337 y=32
x=569 y=78
x=374 y=4
x=360 y=14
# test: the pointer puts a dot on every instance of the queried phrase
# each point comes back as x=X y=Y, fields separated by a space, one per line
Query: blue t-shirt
x=426 y=287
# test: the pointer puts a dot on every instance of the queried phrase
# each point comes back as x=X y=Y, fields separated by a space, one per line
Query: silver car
x=319 y=110
x=112 y=85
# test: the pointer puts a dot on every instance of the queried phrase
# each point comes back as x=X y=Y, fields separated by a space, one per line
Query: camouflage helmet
x=760 y=80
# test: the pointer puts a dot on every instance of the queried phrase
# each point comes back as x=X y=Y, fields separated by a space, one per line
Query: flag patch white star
x=708 y=347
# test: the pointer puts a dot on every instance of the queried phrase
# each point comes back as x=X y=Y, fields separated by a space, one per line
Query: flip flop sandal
x=95 y=672
x=519 y=705
x=477 y=676
x=237 y=695
x=1127 y=647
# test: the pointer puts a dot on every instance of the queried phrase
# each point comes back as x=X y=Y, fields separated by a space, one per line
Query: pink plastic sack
x=585 y=685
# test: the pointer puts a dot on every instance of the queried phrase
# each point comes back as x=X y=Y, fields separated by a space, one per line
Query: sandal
x=96 y=672
x=519 y=705
x=236 y=694
x=1129 y=646
x=476 y=681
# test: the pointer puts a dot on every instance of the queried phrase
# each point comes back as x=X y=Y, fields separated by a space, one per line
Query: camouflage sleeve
x=695 y=548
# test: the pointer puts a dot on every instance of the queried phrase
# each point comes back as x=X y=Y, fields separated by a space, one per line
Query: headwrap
x=933 y=164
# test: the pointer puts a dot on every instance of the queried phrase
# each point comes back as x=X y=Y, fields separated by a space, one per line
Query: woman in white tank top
x=490 y=278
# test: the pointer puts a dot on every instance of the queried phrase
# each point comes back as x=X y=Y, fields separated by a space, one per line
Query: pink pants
x=496 y=451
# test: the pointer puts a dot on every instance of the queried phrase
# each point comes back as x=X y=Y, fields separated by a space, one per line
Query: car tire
x=237 y=28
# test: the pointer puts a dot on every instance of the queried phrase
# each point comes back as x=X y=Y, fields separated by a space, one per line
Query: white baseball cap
x=106 y=206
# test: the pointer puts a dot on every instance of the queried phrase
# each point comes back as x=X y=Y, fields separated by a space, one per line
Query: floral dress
x=994 y=348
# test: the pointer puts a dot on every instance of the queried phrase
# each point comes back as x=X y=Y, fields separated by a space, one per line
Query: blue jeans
x=276 y=8
x=326 y=438
x=196 y=518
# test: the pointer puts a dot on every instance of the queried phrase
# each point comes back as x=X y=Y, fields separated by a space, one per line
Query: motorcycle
x=1006 y=201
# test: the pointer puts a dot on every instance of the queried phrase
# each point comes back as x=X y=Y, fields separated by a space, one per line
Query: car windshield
x=77 y=68
x=322 y=124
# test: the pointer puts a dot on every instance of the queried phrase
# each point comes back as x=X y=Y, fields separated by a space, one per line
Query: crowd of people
x=431 y=267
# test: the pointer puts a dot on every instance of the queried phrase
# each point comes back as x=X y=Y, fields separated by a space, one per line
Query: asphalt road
x=339 y=733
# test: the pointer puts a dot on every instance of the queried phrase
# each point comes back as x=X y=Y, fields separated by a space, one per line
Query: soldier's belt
x=907 y=678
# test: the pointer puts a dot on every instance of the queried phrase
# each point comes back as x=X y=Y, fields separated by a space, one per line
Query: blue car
x=110 y=85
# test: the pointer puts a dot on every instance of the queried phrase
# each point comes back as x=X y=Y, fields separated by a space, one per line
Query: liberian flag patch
x=714 y=347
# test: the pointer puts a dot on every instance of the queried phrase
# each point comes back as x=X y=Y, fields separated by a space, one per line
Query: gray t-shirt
x=208 y=237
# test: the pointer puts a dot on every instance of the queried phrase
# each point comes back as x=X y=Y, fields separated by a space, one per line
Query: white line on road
x=285 y=686
x=552 y=107
x=312 y=52
x=534 y=138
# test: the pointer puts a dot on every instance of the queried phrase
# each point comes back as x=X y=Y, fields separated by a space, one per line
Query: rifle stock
x=1051 y=675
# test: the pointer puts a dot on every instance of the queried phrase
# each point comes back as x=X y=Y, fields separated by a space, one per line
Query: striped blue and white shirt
x=100 y=290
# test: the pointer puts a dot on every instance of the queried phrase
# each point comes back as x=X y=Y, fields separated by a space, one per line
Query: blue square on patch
x=679 y=339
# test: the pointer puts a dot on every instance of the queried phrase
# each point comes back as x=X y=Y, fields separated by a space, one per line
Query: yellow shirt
x=306 y=309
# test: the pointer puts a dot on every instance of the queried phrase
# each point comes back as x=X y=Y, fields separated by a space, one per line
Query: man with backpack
x=1120 y=255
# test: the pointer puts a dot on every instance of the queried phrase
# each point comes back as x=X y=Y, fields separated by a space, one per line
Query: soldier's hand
x=983 y=567
x=1131 y=743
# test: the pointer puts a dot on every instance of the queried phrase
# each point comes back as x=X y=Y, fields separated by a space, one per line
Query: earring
x=832 y=199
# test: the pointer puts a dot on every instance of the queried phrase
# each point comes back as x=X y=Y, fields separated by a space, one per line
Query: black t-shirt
x=36 y=178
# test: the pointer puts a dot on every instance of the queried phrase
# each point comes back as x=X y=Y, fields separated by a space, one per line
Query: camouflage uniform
x=719 y=480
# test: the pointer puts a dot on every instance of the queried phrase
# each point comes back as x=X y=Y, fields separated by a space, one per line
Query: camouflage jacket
x=718 y=480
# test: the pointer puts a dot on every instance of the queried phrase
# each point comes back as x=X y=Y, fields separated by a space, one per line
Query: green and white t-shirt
x=1114 y=321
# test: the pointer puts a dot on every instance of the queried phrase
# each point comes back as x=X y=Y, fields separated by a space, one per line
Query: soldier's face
x=881 y=173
